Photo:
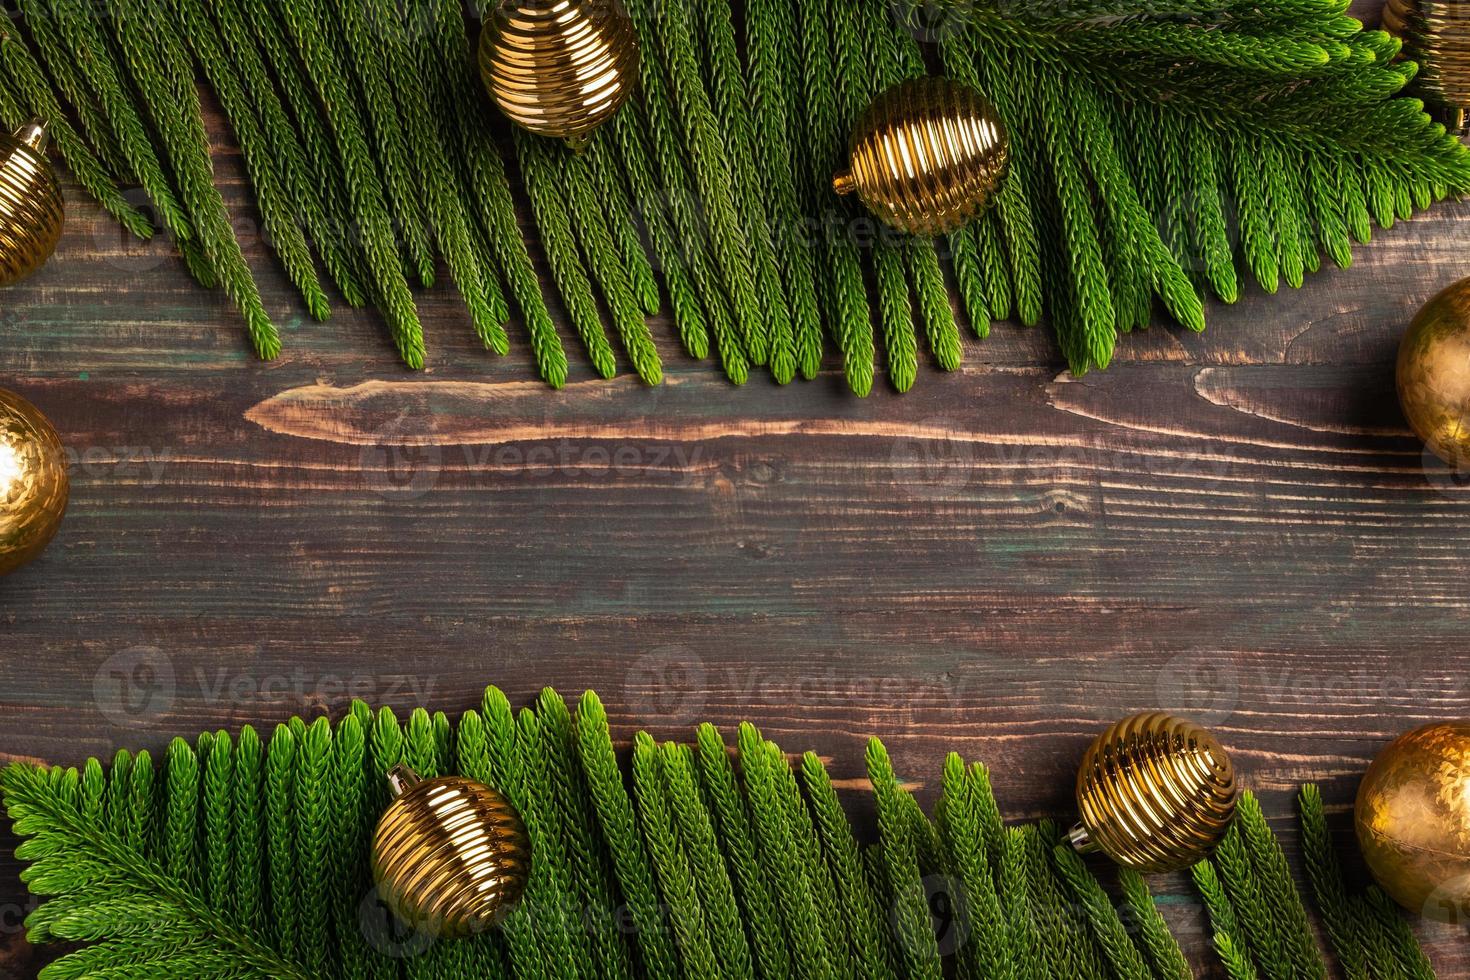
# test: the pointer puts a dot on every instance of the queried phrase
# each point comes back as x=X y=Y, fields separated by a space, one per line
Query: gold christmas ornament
x=450 y=855
x=31 y=208
x=1413 y=820
x=1156 y=793
x=928 y=156
x=1434 y=375
x=559 y=68
x=1436 y=34
x=33 y=483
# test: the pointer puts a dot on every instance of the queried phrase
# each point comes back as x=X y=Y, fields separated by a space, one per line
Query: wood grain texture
x=1237 y=526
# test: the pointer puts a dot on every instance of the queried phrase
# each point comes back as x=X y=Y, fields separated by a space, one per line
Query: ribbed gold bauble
x=450 y=855
x=1436 y=34
x=31 y=208
x=33 y=483
x=1413 y=820
x=1156 y=793
x=559 y=68
x=928 y=156
x=1433 y=375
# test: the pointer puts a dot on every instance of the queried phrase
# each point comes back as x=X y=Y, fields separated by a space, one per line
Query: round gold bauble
x=1155 y=793
x=1436 y=34
x=1434 y=375
x=928 y=156
x=450 y=855
x=32 y=211
x=1413 y=820
x=33 y=483
x=559 y=68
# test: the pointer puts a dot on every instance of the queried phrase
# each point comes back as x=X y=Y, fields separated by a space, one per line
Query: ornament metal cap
x=1156 y=793
x=401 y=779
x=34 y=135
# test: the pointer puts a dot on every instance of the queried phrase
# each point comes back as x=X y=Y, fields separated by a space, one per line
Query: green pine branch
x=1146 y=145
x=164 y=75
x=318 y=51
x=780 y=851
x=1163 y=950
x=27 y=94
x=866 y=922
x=242 y=859
x=273 y=193
x=362 y=35
x=449 y=216
x=444 y=56
x=298 y=133
x=155 y=918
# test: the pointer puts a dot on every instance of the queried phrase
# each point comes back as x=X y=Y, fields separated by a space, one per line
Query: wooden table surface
x=1235 y=526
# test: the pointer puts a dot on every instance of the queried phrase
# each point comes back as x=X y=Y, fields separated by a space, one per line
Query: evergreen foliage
x=1368 y=935
x=1158 y=158
x=242 y=858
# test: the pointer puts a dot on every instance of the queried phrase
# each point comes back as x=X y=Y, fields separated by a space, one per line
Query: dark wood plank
x=1235 y=525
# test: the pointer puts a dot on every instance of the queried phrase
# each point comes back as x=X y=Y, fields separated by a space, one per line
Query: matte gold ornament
x=450 y=855
x=1434 y=375
x=928 y=156
x=32 y=211
x=33 y=483
x=1413 y=820
x=559 y=68
x=1436 y=34
x=1156 y=793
